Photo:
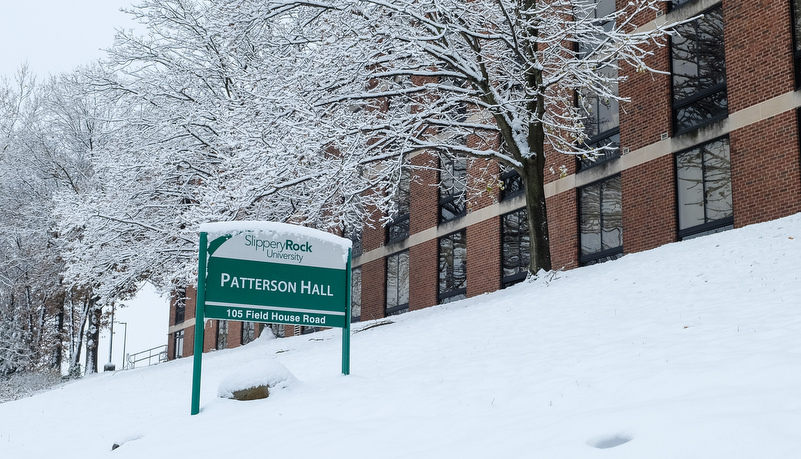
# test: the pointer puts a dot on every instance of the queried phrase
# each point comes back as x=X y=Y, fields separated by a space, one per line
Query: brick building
x=709 y=145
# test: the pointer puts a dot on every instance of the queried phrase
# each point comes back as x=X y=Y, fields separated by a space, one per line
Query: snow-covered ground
x=692 y=350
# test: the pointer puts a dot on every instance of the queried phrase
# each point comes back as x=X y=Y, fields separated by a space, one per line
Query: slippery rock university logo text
x=285 y=250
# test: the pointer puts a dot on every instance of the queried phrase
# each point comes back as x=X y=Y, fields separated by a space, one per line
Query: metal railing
x=158 y=353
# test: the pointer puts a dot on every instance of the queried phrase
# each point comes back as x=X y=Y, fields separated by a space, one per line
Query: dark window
x=454 y=110
x=178 y=350
x=678 y=3
x=305 y=330
x=248 y=332
x=222 y=334
x=601 y=16
x=603 y=148
x=453 y=179
x=356 y=294
x=397 y=283
x=355 y=236
x=515 y=244
x=452 y=267
x=180 y=305
x=704 y=193
x=601 y=114
x=511 y=183
x=279 y=330
x=601 y=221
x=398 y=227
x=699 y=73
x=796 y=15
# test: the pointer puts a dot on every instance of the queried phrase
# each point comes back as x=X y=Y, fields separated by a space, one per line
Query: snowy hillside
x=692 y=350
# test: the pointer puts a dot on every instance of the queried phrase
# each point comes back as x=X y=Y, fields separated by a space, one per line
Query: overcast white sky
x=56 y=36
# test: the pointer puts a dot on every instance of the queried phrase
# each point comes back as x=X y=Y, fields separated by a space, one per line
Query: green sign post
x=274 y=273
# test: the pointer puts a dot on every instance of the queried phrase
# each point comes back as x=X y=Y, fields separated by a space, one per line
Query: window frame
x=180 y=306
x=795 y=29
x=709 y=226
x=452 y=294
x=509 y=280
x=355 y=235
x=251 y=335
x=278 y=330
x=398 y=308
x=676 y=4
x=221 y=325
x=355 y=294
x=676 y=106
x=608 y=154
x=511 y=179
x=601 y=255
x=178 y=345
x=398 y=227
x=453 y=196
x=601 y=138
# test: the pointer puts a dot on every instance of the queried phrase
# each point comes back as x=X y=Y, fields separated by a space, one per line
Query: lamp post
x=124 y=343
x=110 y=366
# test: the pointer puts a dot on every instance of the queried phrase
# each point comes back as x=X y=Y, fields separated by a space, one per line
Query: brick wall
x=423 y=210
x=765 y=161
x=482 y=183
x=647 y=116
x=373 y=289
x=234 y=333
x=649 y=205
x=562 y=212
x=189 y=333
x=423 y=275
x=170 y=346
x=563 y=229
x=373 y=238
x=766 y=170
x=171 y=322
x=558 y=165
x=484 y=257
x=189 y=342
x=759 y=54
x=210 y=335
x=483 y=239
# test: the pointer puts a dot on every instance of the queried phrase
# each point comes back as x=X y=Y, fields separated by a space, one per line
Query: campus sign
x=275 y=273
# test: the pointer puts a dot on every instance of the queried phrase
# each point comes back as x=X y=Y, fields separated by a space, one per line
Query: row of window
x=703 y=175
x=452 y=197
x=698 y=77
x=248 y=334
x=699 y=98
x=704 y=206
x=452 y=265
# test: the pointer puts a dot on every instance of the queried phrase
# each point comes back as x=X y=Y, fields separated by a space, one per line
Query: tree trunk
x=536 y=210
x=76 y=340
x=93 y=337
x=58 y=352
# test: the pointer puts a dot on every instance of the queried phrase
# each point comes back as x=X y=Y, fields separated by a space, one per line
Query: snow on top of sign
x=214 y=229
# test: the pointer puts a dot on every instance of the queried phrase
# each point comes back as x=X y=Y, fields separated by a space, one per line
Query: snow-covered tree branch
x=495 y=79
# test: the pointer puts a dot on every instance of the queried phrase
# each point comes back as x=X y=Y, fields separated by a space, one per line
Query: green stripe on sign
x=276 y=285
